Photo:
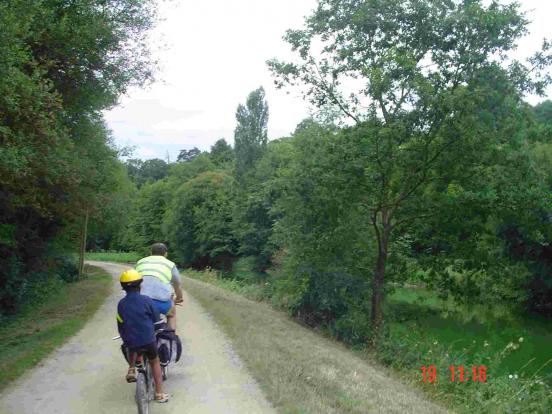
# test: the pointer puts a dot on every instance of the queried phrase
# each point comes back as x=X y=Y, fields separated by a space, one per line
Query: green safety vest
x=157 y=266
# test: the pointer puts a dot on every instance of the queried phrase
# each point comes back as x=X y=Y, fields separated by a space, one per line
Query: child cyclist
x=136 y=316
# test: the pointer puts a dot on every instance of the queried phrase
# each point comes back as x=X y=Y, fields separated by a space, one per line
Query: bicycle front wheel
x=142 y=400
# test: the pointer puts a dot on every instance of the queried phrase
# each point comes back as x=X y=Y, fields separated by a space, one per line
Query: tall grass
x=258 y=292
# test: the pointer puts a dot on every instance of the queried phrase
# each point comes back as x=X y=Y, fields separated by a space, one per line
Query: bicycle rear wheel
x=151 y=383
x=142 y=398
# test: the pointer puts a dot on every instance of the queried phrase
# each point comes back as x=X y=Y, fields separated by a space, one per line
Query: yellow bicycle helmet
x=130 y=278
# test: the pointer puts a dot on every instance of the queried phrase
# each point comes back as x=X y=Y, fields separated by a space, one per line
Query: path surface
x=86 y=375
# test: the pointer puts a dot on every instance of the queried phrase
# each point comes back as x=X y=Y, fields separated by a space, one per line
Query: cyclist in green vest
x=161 y=278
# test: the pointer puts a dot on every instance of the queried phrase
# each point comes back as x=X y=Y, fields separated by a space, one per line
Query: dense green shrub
x=66 y=268
x=39 y=286
x=10 y=292
x=320 y=298
x=33 y=287
x=247 y=269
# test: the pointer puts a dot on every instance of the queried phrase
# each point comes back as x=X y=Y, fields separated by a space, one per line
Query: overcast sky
x=214 y=55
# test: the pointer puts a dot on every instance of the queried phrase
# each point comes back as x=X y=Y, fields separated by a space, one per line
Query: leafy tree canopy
x=198 y=222
x=428 y=86
x=221 y=152
x=188 y=155
x=61 y=63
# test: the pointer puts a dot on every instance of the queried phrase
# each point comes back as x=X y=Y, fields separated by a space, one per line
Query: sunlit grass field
x=130 y=257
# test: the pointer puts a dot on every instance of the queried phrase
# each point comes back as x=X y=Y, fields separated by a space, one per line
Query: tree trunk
x=377 y=290
x=82 y=246
x=379 y=277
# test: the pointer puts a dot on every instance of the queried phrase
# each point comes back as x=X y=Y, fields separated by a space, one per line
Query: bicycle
x=145 y=384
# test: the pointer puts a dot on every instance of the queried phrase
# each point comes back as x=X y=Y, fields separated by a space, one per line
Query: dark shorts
x=163 y=306
x=149 y=350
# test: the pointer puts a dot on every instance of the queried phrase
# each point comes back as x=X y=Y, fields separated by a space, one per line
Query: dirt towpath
x=86 y=375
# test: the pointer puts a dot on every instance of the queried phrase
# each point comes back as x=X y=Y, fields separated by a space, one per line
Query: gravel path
x=86 y=375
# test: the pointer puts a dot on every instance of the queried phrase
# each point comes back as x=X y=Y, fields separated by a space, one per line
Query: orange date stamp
x=458 y=373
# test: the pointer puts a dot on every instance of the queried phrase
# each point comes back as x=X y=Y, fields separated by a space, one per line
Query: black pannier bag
x=169 y=346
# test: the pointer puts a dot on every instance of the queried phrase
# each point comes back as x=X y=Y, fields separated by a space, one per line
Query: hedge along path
x=86 y=375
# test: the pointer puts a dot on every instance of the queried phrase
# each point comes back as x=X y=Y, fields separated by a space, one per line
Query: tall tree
x=152 y=170
x=188 y=155
x=252 y=219
x=429 y=89
x=221 y=152
x=250 y=135
x=133 y=166
x=543 y=112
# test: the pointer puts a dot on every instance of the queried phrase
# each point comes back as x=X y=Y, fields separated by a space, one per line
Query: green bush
x=321 y=298
x=354 y=327
x=20 y=289
x=39 y=286
x=246 y=270
x=11 y=281
x=67 y=269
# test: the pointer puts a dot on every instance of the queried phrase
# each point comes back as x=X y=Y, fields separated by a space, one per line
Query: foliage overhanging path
x=87 y=373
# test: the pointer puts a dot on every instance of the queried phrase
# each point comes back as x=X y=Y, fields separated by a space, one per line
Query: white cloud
x=146 y=153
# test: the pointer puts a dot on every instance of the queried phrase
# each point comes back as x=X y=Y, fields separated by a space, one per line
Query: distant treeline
x=297 y=209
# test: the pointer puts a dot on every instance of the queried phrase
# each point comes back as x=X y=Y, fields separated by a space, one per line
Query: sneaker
x=131 y=375
x=161 y=398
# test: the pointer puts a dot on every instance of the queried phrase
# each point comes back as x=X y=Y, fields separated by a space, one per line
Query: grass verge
x=130 y=257
x=301 y=371
x=422 y=333
x=37 y=330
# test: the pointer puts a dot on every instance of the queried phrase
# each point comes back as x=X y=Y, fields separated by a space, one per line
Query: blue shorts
x=162 y=306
